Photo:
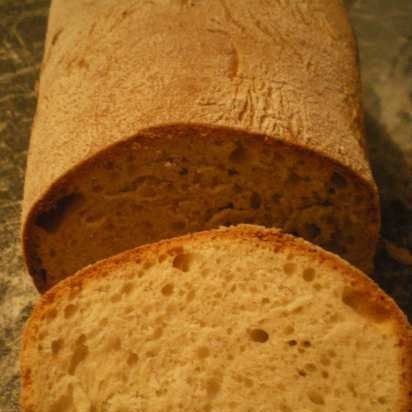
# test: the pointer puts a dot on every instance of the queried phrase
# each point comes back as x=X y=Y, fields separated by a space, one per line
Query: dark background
x=384 y=31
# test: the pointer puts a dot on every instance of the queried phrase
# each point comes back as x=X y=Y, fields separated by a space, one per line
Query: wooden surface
x=384 y=31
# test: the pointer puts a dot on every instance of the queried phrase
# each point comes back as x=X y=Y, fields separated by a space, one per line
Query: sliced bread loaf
x=163 y=117
x=239 y=319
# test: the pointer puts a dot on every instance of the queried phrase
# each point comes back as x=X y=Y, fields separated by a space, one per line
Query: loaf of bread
x=239 y=319
x=159 y=118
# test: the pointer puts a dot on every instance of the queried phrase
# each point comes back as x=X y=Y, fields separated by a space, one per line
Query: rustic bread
x=165 y=117
x=239 y=319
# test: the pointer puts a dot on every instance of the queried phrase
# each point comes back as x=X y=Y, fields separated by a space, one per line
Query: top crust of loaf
x=262 y=238
x=287 y=70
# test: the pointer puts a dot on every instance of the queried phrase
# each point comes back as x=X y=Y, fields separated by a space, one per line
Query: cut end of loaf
x=172 y=180
x=223 y=321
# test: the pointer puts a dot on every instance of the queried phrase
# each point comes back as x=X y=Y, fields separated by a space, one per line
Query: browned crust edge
x=178 y=130
x=274 y=239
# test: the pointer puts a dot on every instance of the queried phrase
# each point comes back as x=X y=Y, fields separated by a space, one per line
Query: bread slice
x=238 y=319
x=169 y=117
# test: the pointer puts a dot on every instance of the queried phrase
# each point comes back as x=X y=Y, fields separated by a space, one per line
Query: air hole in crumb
x=182 y=262
x=108 y=165
x=167 y=290
x=265 y=301
x=317 y=286
x=294 y=178
x=132 y=359
x=147 y=264
x=248 y=382
x=276 y=198
x=325 y=360
x=255 y=201
x=229 y=205
x=127 y=288
x=309 y=274
x=361 y=303
x=157 y=333
x=232 y=172
x=203 y=352
x=56 y=346
x=289 y=268
x=258 y=335
x=151 y=353
x=212 y=387
x=325 y=203
x=238 y=154
x=80 y=352
x=292 y=342
x=43 y=334
x=382 y=400
x=56 y=36
x=50 y=219
x=310 y=367
x=350 y=239
x=316 y=398
x=93 y=217
x=51 y=314
x=161 y=392
x=183 y=171
x=351 y=387
x=338 y=180
x=312 y=230
x=336 y=318
x=69 y=311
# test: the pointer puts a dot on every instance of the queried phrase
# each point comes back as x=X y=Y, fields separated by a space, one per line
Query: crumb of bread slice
x=236 y=319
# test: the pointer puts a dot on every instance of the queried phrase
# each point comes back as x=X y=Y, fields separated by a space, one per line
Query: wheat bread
x=238 y=319
x=158 y=118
